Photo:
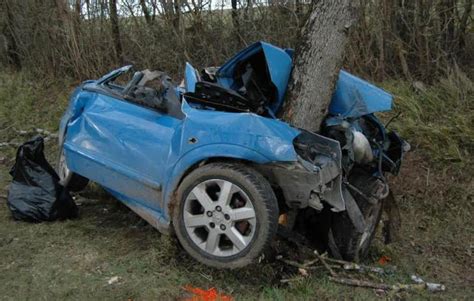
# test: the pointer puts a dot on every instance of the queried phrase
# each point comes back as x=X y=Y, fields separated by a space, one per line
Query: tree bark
x=115 y=30
x=318 y=59
x=9 y=32
x=463 y=23
x=177 y=13
x=145 y=11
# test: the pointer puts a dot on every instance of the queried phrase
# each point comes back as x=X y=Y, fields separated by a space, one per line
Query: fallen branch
x=12 y=144
x=306 y=265
x=292 y=279
x=40 y=131
x=361 y=283
x=351 y=266
x=323 y=261
x=47 y=135
x=433 y=287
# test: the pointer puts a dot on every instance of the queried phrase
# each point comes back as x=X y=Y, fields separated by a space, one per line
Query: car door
x=122 y=145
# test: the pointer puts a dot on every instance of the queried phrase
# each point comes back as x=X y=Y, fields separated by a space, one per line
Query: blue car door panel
x=122 y=146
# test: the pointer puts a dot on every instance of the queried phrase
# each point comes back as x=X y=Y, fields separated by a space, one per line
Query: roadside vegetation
x=76 y=258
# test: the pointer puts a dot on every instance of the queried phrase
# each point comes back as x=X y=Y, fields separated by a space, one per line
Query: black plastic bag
x=35 y=194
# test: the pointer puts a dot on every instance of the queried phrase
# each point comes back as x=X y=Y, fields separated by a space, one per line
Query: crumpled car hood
x=353 y=96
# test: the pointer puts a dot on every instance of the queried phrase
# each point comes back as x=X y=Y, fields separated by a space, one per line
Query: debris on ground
x=355 y=274
x=384 y=260
x=47 y=135
x=342 y=275
x=432 y=287
x=113 y=280
x=198 y=294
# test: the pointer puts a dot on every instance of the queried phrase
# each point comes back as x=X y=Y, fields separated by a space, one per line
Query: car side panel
x=143 y=167
x=122 y=146
x=223 y=135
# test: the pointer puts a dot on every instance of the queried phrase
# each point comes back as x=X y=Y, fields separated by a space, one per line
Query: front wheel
x=344 y=239
x=226 y=215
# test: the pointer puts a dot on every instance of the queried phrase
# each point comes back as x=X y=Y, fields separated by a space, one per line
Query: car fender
x=78 y=100
x=201 y=154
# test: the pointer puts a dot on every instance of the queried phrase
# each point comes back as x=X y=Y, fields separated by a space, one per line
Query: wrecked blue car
x=209 y=161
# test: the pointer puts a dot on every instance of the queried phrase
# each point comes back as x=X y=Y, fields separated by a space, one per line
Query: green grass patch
x=437 y=119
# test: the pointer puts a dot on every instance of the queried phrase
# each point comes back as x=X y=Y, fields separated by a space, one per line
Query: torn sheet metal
x=278 y=63
x=355 y=97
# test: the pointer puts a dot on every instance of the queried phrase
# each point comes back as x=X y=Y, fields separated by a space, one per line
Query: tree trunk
x=235 y=20
x=177 y=14
x=463 y=23
x=145 y=11
x=9 y=32
x=115 y=31
x=317 y=61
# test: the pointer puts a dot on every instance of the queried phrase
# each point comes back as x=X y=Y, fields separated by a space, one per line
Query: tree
x=9 y=33
x=145 y=11
x=115 y=30
x=318 y=59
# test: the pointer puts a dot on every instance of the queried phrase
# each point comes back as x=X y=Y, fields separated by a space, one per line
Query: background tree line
x=413 y=39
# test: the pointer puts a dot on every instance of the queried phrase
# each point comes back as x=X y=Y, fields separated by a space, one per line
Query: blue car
x=209 y=162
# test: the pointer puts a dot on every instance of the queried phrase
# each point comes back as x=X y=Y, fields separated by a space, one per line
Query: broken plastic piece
x=211 y=294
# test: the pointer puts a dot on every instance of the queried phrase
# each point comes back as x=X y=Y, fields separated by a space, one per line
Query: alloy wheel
x=219 y=217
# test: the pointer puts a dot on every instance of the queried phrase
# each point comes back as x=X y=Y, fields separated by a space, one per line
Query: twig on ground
x=347 y=265
x=323 y=261
x=47 y=135
x=43 y=132
x=433 y=287
x=290 y=262
x=361 y=283
x=12 y=144
x=298 y=278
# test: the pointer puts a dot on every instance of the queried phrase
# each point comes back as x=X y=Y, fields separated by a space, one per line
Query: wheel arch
x=203 y=156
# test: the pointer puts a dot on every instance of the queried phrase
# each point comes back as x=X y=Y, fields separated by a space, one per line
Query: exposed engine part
x=361 y=148
x=315 y=201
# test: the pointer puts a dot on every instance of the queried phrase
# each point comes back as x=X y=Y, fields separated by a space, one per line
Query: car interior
x=252 y=89
x=152 y=89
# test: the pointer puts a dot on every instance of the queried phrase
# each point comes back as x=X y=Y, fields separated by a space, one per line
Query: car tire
x=345 y=240
x=70 y=180
x=226 y=215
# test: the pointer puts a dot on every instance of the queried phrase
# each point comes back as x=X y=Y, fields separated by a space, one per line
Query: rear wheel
x=344 y=239
x=226 y=216
x=67 y=178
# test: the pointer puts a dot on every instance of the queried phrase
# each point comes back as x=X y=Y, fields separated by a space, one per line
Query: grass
x=438 y=119
x=75 y=259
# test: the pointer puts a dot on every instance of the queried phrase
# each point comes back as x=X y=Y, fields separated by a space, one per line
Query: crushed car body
x=143 y=140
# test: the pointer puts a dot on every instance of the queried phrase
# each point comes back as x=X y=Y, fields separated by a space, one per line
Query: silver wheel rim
x=219 y=217
x=63 y=172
